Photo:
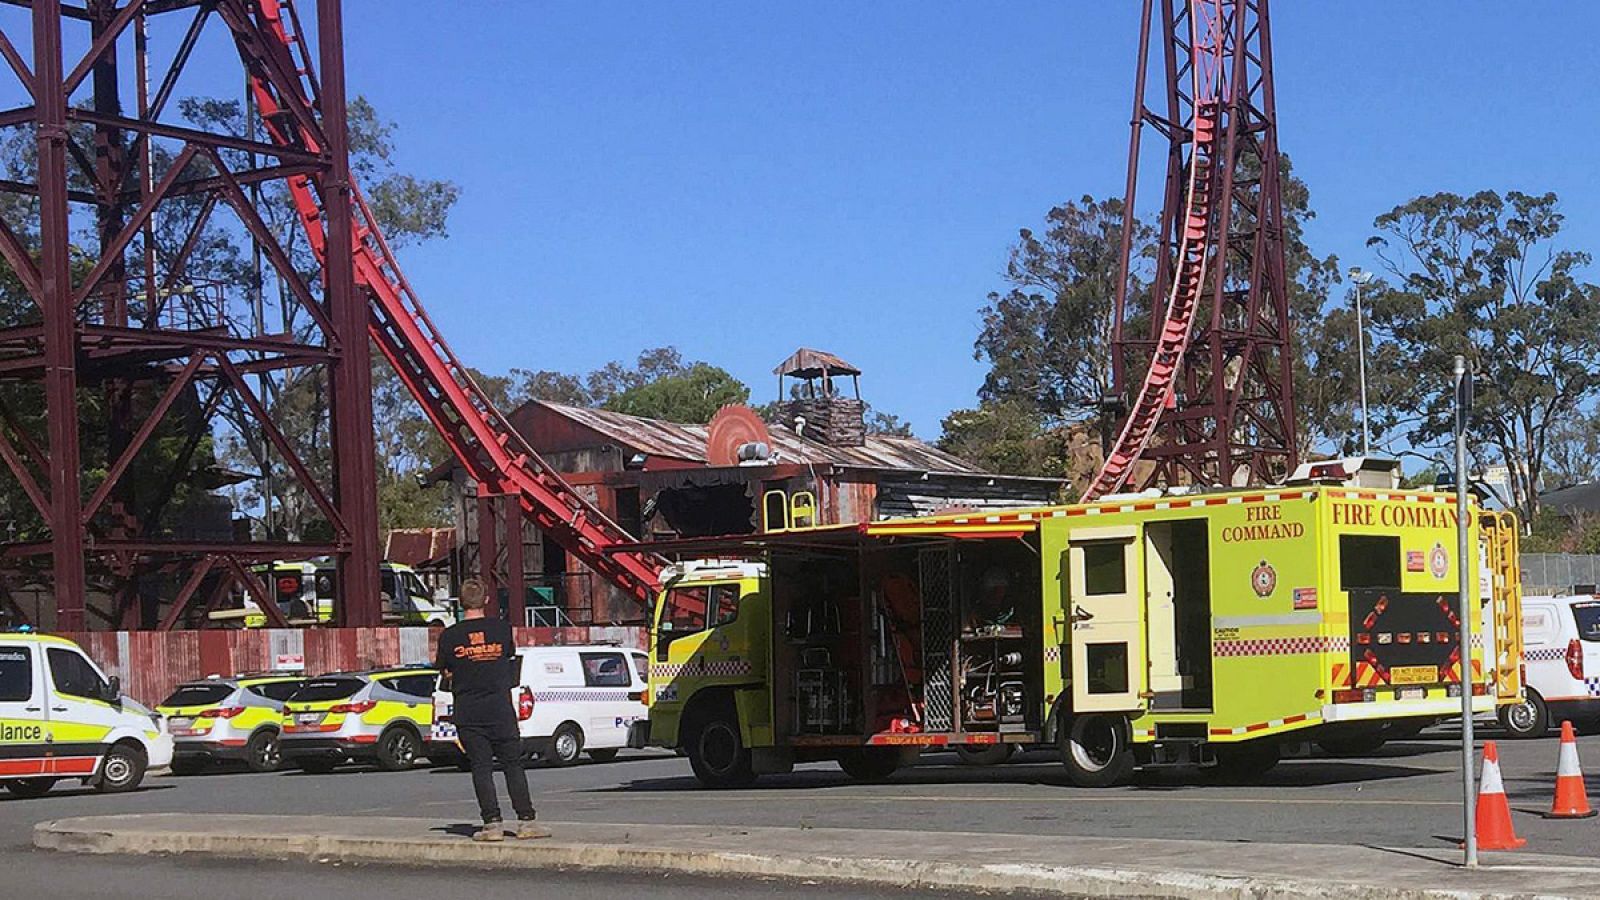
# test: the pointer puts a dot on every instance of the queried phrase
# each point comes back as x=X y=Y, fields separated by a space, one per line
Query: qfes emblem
x=1264 y=579
x=1438 y=561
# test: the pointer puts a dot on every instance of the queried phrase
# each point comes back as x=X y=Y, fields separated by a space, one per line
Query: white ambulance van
x=60 y=717
x=1561 y=655
x=570 y=700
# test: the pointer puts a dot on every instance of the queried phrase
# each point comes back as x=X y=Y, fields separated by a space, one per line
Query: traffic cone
x=1494 y=811
x=1572 y=800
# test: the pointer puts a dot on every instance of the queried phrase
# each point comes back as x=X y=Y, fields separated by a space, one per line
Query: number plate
x=307 y=718
x=1411 y=694
x=1414 y=675
x=180 y=722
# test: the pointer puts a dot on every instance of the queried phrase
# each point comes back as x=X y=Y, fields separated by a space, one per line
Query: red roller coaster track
x=1215 y=405
x=478 y=435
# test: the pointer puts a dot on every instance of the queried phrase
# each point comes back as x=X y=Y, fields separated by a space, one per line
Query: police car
x=377 y=716
x=228 y=719
x=1561 y=661
x=60 y=717
x=569 y=700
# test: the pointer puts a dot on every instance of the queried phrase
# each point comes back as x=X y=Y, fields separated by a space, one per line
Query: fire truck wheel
x=1528 y=719
x=872 y=763
x=1095 y=749
x=1246 y=762
x=718 y=755
x=984 y=754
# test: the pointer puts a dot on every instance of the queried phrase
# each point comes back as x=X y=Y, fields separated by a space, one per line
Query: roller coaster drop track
x=479 y=436
x=1215 y=402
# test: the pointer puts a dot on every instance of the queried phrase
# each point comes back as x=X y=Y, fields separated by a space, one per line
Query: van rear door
x=1587 y=615
x=22 y=714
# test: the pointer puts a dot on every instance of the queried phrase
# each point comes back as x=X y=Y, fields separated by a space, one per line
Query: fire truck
x=1220 y=629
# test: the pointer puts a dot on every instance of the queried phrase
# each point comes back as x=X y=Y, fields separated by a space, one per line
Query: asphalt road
x=1405 y=795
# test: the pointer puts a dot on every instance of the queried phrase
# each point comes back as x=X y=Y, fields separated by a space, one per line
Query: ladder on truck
x=1196 y=251
x=478 y=435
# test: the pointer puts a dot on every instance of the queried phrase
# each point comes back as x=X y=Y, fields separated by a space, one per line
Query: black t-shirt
x=480 y=655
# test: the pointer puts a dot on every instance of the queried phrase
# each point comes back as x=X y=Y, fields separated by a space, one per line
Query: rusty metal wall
x=151 y=663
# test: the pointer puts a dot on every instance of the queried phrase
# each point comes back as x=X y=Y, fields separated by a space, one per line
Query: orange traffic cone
x=1494 y=811
x=1572 y=800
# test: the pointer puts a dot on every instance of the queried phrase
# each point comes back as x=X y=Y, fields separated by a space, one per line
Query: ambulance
x=1215 y=628
x=61 y=717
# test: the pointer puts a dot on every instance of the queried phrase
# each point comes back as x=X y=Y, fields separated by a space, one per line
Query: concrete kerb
x=411 y=844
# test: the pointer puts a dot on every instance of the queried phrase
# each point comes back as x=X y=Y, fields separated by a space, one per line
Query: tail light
x=1352 y=696
x=1575 y=658
x=354 y=709
x=525 y=705
x=222 y=712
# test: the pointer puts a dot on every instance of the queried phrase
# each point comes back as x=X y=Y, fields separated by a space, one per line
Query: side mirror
x=114 y=690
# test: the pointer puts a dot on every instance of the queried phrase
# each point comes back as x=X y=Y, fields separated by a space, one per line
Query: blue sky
x=738 y=179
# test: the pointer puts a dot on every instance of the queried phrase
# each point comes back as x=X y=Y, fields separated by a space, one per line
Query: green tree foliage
x=1487 y=276
x=692 y=395
x=1004 y=437
x=1047 y=337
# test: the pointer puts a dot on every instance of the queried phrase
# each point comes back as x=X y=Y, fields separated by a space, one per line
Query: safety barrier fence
x=1559 y=573
x=151 y=663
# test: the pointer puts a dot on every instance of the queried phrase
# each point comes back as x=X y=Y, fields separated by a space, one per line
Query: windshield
x=1588 y=616
x=319 y=689
x=198 y=694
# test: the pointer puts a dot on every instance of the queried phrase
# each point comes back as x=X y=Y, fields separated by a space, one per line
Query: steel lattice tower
x=119 y=319
x=1229 y=415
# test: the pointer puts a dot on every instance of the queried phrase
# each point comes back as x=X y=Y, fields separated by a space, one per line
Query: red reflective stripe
x=72 y=765
x=364 y=739
x=29 y=766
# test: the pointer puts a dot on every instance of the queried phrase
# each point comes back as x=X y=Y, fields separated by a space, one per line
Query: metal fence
x=1559 y=573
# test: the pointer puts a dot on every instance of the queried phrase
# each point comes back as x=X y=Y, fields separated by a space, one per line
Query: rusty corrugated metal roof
x=688 y=442
x=808 y=363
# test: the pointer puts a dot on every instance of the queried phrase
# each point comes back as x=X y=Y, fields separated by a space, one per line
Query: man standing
x=477 y=663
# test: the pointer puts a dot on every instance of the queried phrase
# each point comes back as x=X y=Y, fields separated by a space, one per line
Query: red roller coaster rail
x=478 y=434
x=1214 y=404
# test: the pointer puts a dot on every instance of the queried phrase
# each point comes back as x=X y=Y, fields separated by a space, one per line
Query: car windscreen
x=198 y=694
x=1588 y=616
x=319 y=689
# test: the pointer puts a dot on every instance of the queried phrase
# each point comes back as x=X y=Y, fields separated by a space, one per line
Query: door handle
x=33 y=709
x=1079 y=614
x=58 y=709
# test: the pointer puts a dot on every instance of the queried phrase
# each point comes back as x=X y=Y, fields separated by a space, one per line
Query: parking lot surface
x=1405 y=795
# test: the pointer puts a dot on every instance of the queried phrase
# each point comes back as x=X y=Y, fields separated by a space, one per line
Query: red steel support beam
x=60 y=318
x=350 y=377
x=516 y=579
x=488 y=544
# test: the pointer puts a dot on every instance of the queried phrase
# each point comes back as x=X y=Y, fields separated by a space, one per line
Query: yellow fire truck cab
x=1215 y=629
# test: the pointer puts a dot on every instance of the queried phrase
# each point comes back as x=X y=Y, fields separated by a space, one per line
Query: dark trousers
x=484 y=744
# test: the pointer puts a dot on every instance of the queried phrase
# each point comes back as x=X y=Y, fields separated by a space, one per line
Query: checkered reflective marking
x=1052 y=654
x=720 y=669
x=1281 y=646
x=444 y=731
x=1544 y=654
x=579 y=696
x=1593 y=684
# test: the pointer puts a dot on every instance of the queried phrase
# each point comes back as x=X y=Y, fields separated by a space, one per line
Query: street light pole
x=1362 y=278
x=1469 y=794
